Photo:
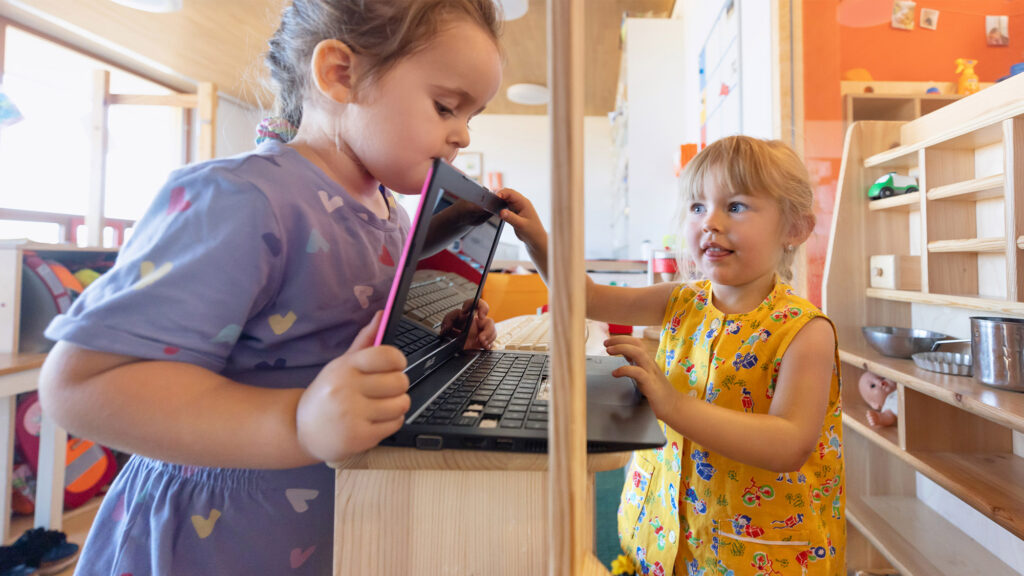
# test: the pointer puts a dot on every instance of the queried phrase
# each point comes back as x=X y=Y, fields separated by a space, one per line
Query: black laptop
x=477 y=399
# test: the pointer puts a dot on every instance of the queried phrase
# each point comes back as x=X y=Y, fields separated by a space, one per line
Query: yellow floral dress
x=688 y=510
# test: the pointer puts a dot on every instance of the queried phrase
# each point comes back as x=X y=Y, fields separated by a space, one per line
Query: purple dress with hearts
x=260 y=268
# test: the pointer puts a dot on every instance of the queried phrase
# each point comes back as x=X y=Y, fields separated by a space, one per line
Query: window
x=45 y=158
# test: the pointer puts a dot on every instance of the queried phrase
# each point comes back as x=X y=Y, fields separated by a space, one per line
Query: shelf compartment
x=1002 y=407
x=898 y=157
x=917 y=540
x=974 y=245
x=955 y=301
x=855 y=409
x=905 y=202
x=977 y=189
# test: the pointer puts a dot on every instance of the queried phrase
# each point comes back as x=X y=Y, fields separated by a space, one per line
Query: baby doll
x=882 y=399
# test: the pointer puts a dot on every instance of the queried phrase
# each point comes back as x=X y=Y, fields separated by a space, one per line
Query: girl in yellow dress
x=745 y=381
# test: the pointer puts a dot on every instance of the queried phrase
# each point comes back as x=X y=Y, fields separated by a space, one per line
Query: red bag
x=88 y=466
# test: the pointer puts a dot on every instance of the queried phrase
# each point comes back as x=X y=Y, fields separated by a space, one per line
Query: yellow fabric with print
x=687 y=509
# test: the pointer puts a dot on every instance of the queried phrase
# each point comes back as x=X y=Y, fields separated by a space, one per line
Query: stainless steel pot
x=997 y=346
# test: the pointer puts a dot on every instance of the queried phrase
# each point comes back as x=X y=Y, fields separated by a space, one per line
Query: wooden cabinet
x=965 y=225
x=19 y=372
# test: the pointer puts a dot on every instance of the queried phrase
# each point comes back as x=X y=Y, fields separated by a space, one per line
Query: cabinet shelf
x=898 y=157
x=908 y=202
x=977 y=189
x=988 y=245
x=917 y=540
x=952 y=300
x=1003 y=407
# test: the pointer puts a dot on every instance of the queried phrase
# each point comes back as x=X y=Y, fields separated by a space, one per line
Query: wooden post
x=207 y=97
x=567 y=448
x=98 y=171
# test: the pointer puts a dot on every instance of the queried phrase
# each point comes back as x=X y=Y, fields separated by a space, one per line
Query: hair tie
x=275 y=128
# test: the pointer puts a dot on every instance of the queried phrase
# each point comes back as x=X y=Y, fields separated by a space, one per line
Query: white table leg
x=53 y=442
x=6 y=463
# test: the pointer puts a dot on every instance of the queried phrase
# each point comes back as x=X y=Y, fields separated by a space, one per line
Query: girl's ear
x=333 y=66
x=799 y=230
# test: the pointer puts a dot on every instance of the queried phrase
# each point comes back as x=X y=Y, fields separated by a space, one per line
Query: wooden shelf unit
x=966 y=227
x=19 y=372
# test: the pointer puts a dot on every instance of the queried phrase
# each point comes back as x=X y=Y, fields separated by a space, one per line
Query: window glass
x=45 y=158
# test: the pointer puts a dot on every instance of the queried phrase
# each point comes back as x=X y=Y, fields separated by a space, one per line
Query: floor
x=76 y=525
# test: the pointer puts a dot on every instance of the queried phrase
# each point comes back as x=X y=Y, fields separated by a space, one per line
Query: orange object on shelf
x=510 y=295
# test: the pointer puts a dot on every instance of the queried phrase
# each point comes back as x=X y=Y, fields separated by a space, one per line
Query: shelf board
x=13 y=363
x=954 y=300
x=917 y=540
x=973 y=139
x=977 y=189
x=988 y=245
x=992 y=483
x=1003 y=407
x=908 y=202
x=898 y=157
x=855 y=418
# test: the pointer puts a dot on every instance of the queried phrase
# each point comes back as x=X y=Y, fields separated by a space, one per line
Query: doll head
x=874 y=389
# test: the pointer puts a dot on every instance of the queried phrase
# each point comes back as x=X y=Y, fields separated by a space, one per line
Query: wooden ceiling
x=223 y=41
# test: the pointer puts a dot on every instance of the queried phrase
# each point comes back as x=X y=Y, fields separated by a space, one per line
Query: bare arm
x=186 y=414
x=617 y=304
x=780 y=440
x=171 y=411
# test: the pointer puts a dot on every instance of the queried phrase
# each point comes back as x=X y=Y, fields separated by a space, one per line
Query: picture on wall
x=997 y=30
x=929 y=18
x=471 y=164
x=903 y=14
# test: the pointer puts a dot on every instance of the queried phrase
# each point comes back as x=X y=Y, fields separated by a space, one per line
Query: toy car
x=892 y=184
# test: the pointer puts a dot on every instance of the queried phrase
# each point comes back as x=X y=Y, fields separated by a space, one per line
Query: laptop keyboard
x=409 y=337
x=496 y=391
x=433 y=295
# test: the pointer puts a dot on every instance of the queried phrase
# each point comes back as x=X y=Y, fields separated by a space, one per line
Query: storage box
x=895 y=272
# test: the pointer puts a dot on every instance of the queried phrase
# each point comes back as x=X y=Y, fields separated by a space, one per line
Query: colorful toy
x=968 y=81
x=892 y=184
x=881 y=397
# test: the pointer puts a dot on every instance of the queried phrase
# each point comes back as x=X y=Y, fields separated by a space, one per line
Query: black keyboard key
x=511 y=423
x=536 y=425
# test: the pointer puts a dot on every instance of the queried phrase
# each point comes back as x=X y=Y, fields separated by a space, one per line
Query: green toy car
x=892 y=184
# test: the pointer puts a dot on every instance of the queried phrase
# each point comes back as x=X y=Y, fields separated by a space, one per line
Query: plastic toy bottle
x=968 y=81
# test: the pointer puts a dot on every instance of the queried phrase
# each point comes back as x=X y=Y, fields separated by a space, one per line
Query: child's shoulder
x=784 y=298
x=255 y=167
x=687 y=294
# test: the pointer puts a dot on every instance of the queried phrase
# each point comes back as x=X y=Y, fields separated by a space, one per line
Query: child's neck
x=742 y=298
x=345 y=171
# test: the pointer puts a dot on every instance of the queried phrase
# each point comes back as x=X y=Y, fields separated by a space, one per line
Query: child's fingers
x=379 y=359
x=482 y=308
x=622 y=339
x=381 y=430
x=514 y=220
x=365 y=337
x=388 y=409
x=389 y=385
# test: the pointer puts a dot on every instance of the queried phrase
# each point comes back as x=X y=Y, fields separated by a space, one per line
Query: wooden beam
x=567 y=446
x=174 y=100
x=207 y=121
x=98 y=170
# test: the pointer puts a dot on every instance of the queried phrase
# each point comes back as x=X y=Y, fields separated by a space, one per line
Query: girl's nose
x=459 y=136
x=712 y=221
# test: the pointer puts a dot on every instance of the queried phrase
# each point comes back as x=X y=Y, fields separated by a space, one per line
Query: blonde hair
x=754 y=166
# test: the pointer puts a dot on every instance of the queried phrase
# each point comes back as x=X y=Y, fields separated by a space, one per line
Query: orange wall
x=840 y=35
x=929 y=55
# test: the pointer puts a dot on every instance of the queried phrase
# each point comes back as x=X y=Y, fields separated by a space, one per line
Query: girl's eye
x=443 y=110
x=737 y=207
x=697 y=208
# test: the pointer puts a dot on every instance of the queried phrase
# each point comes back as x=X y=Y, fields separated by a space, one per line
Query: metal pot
x=997 y=346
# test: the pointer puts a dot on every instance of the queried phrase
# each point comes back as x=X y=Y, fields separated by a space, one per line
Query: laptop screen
x=442 y=269
x=450 y=269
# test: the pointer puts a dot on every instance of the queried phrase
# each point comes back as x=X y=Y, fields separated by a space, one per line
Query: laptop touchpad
x=603 y=388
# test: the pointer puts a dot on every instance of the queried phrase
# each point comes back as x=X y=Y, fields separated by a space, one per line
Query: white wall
x=756 y=36
x=519 y=146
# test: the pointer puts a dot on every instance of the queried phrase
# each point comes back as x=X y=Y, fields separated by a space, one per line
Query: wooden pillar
x=207 y=103
x=567 y=456
x=98 y=170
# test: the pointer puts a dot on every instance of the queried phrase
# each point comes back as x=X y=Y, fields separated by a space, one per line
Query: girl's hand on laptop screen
x=482 y=332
